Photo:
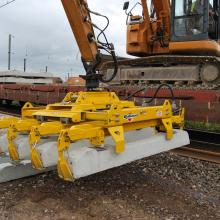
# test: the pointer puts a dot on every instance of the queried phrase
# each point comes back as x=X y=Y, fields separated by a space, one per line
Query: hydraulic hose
x=155 y=94
x=115 y=69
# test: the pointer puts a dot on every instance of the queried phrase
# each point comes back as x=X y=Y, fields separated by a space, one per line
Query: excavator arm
x=79 y=19
x=79 y=16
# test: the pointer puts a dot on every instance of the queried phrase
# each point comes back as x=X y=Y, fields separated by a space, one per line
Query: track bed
x=145 y=189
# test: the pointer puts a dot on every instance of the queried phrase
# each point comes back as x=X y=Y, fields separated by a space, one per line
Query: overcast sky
x=40 y=27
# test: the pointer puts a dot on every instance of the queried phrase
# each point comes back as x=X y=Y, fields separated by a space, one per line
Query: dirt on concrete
x=165 y=186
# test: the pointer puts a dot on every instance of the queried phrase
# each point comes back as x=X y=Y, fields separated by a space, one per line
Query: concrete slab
x=49 y=154
x=15 y=76
x=25 y=80
x=18 y=73
x=3 y=141
x=85 y=161
x=47 y=149
x=23 y=147
x=11 y=171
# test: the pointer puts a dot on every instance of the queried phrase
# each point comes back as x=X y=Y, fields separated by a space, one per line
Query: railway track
x=11 y=110
x=204 y=146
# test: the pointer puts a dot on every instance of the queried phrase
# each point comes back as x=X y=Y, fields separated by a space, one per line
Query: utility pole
x=46 y=69
x=25 y=62
x=9 y=52
x=25 y=59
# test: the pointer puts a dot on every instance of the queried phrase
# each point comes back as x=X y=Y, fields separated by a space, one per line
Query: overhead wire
x=7 y=3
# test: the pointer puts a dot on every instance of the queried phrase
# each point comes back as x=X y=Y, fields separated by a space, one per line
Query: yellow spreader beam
x=83 y=116
x=93 y=116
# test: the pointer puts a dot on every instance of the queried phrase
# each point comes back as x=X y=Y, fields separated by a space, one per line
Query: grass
x=202 y=126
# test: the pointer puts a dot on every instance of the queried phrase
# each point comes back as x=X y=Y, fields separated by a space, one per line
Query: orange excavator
x=177 y=42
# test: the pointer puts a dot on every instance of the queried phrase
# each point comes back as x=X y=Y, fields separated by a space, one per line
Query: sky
x=41 y=34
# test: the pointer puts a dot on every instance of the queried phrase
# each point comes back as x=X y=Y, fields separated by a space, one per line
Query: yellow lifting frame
x=118 y=117
x=88 y=115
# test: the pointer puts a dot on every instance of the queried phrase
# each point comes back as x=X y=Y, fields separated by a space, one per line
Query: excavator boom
x=79 y=16
x=80 y=22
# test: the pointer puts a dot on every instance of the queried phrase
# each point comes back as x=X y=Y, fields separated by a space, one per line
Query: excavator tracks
x=200 y=72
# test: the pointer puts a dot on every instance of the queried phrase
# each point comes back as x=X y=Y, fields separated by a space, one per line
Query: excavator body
x=176 y=42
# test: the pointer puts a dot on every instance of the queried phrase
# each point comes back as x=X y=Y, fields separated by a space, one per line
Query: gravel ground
x=165 y=186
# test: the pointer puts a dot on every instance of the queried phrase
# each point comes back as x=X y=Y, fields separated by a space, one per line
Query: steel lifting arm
x=42 y=130
x=80 y=22
x=21 y=126
x=28 y=110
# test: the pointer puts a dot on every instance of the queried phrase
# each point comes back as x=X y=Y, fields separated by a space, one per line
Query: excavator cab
x=195 y=23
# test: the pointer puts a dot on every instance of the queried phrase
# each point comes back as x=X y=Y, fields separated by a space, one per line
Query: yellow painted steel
x=5 y=122
x=27 y=112
x=16 y=126
x=118 y=135
x=21 y=126
x=44 y=129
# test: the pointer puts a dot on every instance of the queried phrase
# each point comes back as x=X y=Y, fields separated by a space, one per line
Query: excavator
x=177 y=42
x=91 y=131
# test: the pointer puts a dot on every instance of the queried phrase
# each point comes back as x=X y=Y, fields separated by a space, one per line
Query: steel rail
x=204 y=145
x=14 y=111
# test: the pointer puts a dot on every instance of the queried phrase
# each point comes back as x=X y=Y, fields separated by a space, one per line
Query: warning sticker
x=130 y=117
